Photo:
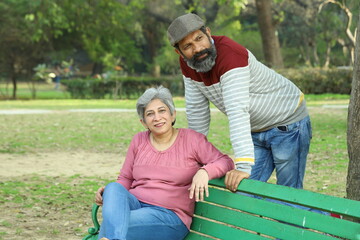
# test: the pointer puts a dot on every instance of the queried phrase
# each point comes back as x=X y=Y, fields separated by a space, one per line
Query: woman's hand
x=199 y=185
x=98 y=196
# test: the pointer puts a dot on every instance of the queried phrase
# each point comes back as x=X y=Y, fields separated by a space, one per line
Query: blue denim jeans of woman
x=125 y=217
x=284 y=149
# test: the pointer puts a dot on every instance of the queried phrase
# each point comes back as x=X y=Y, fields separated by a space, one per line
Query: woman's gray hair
x=161 y=93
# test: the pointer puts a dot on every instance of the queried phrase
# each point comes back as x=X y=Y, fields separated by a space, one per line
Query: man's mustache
x=197 y=55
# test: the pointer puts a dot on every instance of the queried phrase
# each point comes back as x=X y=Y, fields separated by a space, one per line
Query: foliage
x=120 y=87
x=319 y=81
x=309 y=80
x=168 y=61
x=102 y=30
x=252 y=40
x=132 y=34
x=19 y=53
x=42 y=73
x=33 y=30
x=315 y=33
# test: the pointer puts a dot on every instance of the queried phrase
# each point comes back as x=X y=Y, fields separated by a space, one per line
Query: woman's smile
x=158 y=125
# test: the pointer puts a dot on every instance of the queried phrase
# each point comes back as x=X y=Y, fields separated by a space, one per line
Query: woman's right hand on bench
x=98 y=196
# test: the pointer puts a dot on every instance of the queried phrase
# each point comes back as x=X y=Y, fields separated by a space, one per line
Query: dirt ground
x=57 y=164
x=39 y=222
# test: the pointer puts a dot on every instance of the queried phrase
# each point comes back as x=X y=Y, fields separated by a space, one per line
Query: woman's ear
x=173 y=116
x=144 y=124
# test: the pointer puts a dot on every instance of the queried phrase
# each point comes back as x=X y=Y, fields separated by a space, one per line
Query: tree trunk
x=270 y=40
x=328 y=53
x=97 y=69
x=13 y=78
x=14 y=82
x=353 y=132
x=316 y=56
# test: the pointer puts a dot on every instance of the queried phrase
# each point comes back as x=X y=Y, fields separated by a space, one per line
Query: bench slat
x=345 y=207
x=255 y=223
x=196 y=236
x=284 y=213
x=221 y=231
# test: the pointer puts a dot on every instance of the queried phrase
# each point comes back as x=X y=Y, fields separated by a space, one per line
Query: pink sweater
x=162 y=178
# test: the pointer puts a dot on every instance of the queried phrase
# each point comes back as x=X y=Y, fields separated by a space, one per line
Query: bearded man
x=268 y=120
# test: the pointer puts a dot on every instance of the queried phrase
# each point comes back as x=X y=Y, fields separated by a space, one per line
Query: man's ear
x=208 y=31
x=177 y=51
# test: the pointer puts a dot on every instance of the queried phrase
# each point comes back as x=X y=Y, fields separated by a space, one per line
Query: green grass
x=112 y=133
x=52 y=206
x=43 y=91
x=59 y=207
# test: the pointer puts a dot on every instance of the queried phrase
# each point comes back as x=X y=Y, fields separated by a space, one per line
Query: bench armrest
x=93 y=231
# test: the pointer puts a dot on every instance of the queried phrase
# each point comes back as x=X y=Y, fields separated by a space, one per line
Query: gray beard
x=203 y=65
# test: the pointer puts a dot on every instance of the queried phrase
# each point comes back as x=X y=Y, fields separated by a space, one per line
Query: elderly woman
x=165 y=171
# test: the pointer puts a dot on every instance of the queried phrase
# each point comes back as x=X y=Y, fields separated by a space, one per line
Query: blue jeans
x=125 y=217
x=284 y=149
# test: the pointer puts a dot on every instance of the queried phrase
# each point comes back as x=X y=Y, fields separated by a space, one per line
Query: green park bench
x=225 y=215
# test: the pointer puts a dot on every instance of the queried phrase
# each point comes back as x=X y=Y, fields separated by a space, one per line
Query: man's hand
x=233 y=179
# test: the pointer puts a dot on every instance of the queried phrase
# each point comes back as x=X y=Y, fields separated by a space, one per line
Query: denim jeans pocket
x=282 y=128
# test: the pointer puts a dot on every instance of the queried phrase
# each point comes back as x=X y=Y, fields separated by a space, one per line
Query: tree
x=105 y=27
x=328 y=33
x=349 y=16
x=32 y=32
x=353 y=136
x=270 y=40
x=16 y=49
x=298 y=29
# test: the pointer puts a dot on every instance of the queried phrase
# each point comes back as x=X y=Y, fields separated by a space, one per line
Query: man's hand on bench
x=233 y=179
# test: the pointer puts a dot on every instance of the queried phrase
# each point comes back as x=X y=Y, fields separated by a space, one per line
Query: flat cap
x=182 y=26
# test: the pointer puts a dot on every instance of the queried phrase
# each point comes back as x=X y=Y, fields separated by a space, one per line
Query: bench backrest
x=257 y=214
x=225 y=215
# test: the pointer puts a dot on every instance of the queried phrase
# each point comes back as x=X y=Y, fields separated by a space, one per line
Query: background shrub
x=120 y=87
x=319 y=81
x=309 y=80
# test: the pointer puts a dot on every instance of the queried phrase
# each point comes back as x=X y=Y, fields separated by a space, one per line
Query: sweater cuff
x=244 y=167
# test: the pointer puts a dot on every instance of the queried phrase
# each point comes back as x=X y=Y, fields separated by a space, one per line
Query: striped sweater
x=254 y=97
